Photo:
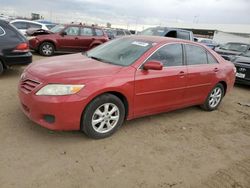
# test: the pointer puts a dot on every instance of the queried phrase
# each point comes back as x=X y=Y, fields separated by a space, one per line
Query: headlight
x=59 y=89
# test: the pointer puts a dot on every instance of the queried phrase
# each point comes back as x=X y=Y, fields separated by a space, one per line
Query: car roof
x=168 y=28
x=28 y=21
x=159 y=39
x=97 y=27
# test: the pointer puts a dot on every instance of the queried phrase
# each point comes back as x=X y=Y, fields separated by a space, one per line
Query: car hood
x=226 y=52
x=242 y=59
x=75 y=67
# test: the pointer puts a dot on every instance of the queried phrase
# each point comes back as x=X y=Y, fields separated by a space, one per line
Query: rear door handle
x=216 y=69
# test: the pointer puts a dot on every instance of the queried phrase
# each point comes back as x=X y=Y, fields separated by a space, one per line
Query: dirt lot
x=185 y=148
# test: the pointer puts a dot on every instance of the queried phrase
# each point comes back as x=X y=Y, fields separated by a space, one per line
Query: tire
x=214 y=98
x=47 y=49
x=97 y=121
x=1 y=67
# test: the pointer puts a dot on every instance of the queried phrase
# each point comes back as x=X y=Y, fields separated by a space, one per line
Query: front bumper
x=53 y=112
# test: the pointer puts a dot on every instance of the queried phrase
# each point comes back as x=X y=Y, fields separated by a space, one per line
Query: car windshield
x=57 y=28
x=123 y=51
x=154 y=32
x=247 y=54
x=235 y=47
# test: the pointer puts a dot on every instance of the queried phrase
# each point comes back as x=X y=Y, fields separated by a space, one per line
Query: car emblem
x=242 y=69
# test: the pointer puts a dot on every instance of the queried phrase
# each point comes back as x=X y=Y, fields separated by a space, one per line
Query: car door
x=69 y=39
x=158 y=90
x=86 y=38
x=200 y=73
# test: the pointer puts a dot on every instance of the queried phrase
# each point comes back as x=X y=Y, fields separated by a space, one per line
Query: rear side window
x=169 y=55
x=20 y=25
x=2 y=31
x=33 y=25
x=211 y=59
x=195 y=55
x=183 y=35
x=86 y=31
x=98 y=32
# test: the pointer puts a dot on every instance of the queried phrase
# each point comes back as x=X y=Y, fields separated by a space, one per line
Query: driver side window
x=72 y=31
x=169 y=55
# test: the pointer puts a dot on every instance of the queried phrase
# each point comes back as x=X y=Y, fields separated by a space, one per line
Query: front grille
x=29 y=85
x=243 y=70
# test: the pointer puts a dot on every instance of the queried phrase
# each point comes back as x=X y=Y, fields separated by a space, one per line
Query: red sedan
x=123 y=79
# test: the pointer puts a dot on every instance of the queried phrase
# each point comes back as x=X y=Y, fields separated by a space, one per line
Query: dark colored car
x=126 y=78
x=231 y=49
x=14 y=47
x=242 y=64
x=69 y=38
x=169 y=32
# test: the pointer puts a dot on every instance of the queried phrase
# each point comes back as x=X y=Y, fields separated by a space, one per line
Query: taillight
x=23 y=47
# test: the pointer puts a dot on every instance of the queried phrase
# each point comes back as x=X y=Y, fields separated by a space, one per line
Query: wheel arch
x=3 y=63
x=118 y=94
x=224 y=86
x=50 y=41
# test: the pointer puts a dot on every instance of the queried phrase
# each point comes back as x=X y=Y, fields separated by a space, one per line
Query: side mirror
x=153 y=65
x=63 y=33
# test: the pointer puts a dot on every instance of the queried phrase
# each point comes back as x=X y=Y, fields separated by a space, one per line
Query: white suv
x=24 y=25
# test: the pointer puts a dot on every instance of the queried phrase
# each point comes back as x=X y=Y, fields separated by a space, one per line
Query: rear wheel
x=214 y=98
x=47 y=49
x=103 y=116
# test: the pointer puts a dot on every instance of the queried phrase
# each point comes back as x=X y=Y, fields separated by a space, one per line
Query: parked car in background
x=48 y=24
x=231 y=49
x=110 y=33
x=24 y=25
x=69 y=38
x=126 y=78
x=208 y=42
x=14 y=47
x=121 y=32
x=168 y=32
x=242 y=64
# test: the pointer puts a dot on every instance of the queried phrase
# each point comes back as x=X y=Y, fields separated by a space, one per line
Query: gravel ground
x=184 y=148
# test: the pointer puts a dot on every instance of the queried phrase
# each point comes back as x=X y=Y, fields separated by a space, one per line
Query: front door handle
x=181 y=73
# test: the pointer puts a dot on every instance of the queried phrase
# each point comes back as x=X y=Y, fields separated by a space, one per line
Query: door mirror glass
x=153 y=65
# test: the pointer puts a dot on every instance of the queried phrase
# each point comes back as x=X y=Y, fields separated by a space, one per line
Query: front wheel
x=46 y=49
x=214 y=98
x=103 y=116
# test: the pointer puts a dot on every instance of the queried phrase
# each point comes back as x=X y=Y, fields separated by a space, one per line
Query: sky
x=133 y=12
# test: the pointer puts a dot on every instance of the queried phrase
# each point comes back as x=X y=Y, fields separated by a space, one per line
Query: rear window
x=20 y=25
x=2 y=31
x=33 y=25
